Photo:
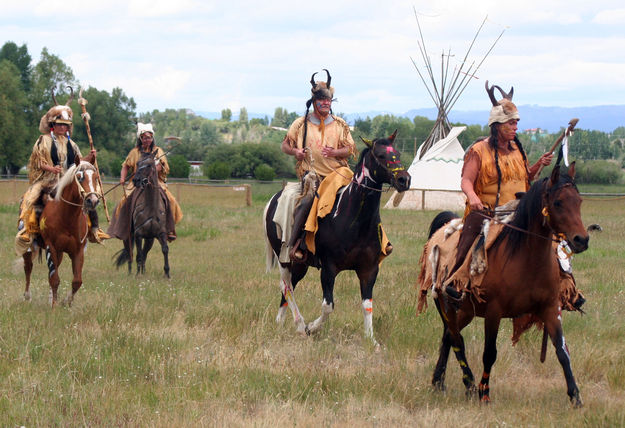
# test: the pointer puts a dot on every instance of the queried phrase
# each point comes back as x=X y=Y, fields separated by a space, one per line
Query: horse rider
x=495 y=169
x=53 y=153
x=320 y=142
x=120 y=223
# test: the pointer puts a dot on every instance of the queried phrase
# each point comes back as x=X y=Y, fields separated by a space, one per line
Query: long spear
x=85 y=117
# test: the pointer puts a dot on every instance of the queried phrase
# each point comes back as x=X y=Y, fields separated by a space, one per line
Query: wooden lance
x=567 y=132
x=85 y=117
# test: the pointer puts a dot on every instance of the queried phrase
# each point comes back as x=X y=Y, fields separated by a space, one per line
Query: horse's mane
x=529 y=207
x=67 y=178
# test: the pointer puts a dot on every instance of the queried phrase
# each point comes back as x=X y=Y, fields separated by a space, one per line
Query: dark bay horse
x=522 y=278
x=148 y=217
x=64 y=227
x=348 y=238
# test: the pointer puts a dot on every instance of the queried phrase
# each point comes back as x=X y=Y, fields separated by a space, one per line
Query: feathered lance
x=85 y=117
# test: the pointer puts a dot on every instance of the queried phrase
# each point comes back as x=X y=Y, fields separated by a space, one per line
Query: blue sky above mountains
x=209 y=55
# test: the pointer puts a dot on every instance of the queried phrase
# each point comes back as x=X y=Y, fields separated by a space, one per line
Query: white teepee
x=436 y=169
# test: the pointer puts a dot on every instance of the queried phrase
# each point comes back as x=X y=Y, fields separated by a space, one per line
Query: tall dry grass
x=203 y=349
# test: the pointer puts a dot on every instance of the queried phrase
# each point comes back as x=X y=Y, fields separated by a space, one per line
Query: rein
x=544 y=212
x=83 y=195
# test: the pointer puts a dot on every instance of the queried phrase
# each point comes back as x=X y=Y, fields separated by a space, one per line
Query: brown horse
x=64 y=226
x=522 y=278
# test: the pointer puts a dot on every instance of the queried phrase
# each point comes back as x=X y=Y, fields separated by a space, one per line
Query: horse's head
x=84 y=176
x=562 y=209
x=146 y=170
x=382 y=160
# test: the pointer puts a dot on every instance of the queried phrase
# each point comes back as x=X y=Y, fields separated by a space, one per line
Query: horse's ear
x=77 y=160
x=555 y=174
x=572 y=170
x=368 y=143
x=393 y=135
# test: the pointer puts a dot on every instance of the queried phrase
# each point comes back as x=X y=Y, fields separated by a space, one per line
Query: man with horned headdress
x=53 y=153
x=495 y=169
x=320 y=142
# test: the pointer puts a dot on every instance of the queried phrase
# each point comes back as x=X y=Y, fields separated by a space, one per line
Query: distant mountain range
x=599 y=118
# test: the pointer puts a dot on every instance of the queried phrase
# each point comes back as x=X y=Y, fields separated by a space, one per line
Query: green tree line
x=241 y=148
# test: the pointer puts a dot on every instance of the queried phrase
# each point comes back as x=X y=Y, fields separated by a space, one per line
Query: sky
x=209 y=55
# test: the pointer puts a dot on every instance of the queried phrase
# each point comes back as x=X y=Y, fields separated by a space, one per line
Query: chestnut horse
x=522 y=278
x=148 y=214
x=64 y=226
x=348 y=238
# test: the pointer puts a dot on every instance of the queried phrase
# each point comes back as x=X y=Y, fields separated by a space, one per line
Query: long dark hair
x=493 y=142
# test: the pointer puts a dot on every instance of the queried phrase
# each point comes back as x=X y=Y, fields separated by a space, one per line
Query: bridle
x=559 y=237
x=393 y=166
x=81 y=190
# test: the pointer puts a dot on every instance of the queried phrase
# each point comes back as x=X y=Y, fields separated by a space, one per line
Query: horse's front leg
x=53 y=260
x=77 y=263
x=140 y=261
x=328 y=275
x=162 y=239
x=553 y=325
x=28 y=269
x=290 y=275
x=491 y=329
x=367 y=281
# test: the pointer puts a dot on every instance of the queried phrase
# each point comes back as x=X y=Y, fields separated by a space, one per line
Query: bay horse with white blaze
x=522 y=277
x=149 y=217
x=64 y=226
x=348 y=238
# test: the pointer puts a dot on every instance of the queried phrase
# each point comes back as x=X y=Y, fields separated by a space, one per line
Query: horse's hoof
x=27 y=296
x=439 y=385
x=307 y=331
x=576 y=401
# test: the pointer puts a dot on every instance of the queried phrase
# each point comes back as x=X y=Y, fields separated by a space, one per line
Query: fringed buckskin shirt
x=514 y=172
x=333 y=132
x=42 y=154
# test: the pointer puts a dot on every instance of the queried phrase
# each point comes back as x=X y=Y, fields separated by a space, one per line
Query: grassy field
x=204 y=350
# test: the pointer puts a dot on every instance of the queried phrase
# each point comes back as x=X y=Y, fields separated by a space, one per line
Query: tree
x=50 y=73
x=243 y=115
x=226 y=114
x=14 y=135
x=279 y=118
x=112 y=125
x=178 y=166
x=20 y=57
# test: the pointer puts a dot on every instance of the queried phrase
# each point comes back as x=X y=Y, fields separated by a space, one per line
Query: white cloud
x=610 y=17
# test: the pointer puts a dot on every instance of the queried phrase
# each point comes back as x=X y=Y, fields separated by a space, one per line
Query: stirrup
x=454 y=297
x=296 y=253
x=389 y=249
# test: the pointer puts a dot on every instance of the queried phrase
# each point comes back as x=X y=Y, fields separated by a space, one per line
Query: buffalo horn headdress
x=58 y=114
x=321 y=89
x=504 y=109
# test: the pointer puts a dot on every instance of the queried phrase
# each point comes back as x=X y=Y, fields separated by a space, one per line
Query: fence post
x=248 y=195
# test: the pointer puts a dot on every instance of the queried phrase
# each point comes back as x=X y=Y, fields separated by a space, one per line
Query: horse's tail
x=270 y=256
x=440 y=220
x=121 y=257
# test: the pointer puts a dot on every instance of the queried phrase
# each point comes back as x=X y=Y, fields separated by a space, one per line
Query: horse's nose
x=580 y=243
x=92 y=201
x=403 y=182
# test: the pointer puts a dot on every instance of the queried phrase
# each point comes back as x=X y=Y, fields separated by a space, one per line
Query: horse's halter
x=81 y=190
x=144 y=181
x=545 y=210
x=393 y=166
